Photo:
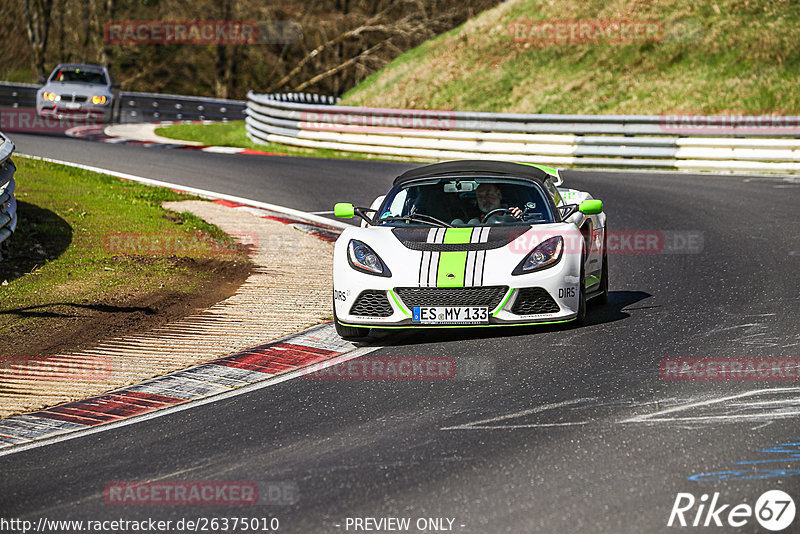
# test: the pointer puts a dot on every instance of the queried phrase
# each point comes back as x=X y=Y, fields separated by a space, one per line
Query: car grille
x=534 y=300
x=76 y=98
x=452 y=296
x=372 y=303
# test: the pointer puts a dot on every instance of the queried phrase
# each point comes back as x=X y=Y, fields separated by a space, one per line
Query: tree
x=37 y=22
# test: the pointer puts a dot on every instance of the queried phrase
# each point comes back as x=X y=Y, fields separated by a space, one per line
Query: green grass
x=63 y=250
x=18 y=75
x=233 y=134
x=216 y=134
x=737 y=56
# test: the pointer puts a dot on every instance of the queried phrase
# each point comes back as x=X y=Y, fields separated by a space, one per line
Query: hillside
x=324 y=46
x=725 y=56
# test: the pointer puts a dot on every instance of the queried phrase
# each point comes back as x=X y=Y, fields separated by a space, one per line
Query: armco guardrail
x=17 y=95
x=141 y=107
x=716 y=143
x=8 y=204
x=152 y=107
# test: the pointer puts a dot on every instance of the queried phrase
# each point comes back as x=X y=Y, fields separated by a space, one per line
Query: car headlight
x=52 y=97
x=545 y=255
x=98 y=99
x=362 y=258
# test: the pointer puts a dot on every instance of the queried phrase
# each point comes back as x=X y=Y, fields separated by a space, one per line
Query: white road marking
x=659 y=416
x=733 y=412
x=302 y=215
x=485 y=424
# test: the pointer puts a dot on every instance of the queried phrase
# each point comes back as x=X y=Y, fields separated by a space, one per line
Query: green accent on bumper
x=452 y=265
x=502 y=304
x=591 y=280
x=399 y=304
x=408 y=327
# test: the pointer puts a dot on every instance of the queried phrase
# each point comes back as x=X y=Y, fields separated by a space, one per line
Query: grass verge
x=233 y=134
x=727 y=56
x=90 y=246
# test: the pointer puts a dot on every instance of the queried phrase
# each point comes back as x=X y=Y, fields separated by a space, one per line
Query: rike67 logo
x=774 y=510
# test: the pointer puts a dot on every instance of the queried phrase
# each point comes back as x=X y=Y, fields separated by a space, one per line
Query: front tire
x=349 y=333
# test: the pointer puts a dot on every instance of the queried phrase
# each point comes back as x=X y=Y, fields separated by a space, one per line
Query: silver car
x=83 y=92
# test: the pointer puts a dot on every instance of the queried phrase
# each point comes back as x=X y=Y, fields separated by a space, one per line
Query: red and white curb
x=99 y=133
x=221 y=378
x=217 y=379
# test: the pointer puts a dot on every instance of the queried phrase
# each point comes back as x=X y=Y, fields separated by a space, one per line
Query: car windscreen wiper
x=417 y=217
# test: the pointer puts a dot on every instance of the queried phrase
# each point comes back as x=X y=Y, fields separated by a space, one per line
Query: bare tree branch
x=330 y=72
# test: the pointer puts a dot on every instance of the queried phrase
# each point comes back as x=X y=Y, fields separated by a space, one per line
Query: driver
x=490 y=199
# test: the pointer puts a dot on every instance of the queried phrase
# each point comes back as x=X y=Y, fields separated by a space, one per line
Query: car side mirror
x=591 y=207
x=344 y=210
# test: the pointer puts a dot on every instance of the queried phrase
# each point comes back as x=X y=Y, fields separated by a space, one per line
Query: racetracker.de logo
x=162 y=244
x=384 y=368
x=379 y=120
x=57 y=369
x=138 y=32
x=552 y=32
x=181 y=493
x=28 y=120
x=688 y=123
x=618 y=241
x=730 y=369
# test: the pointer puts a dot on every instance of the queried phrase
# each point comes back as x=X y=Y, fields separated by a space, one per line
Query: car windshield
x=466 y=201
x=78 y=75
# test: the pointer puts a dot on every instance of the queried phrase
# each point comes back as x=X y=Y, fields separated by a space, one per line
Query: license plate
x=73 y=105
x=450 y=314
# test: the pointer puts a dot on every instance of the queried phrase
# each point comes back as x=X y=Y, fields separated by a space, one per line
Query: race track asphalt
x=563 y=430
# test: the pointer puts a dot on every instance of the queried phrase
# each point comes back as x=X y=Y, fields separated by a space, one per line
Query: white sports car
x=470 y=244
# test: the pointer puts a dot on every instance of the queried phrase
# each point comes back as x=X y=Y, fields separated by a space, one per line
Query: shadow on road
x=616 y=309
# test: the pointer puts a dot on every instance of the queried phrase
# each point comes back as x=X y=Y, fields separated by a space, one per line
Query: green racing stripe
x=452 y=265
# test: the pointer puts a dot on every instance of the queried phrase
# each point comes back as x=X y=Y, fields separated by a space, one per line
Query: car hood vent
x=491 y=238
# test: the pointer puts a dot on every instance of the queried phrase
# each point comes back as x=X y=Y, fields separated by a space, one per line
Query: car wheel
x=349 y=333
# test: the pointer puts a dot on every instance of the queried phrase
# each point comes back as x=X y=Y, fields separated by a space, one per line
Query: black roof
x=517 y=170
x=80 y=66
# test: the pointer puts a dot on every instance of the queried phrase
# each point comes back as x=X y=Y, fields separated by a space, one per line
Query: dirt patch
x=70 y=326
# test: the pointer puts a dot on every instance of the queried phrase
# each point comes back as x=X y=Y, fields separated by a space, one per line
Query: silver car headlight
x=364 y=259
x=545 y=255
